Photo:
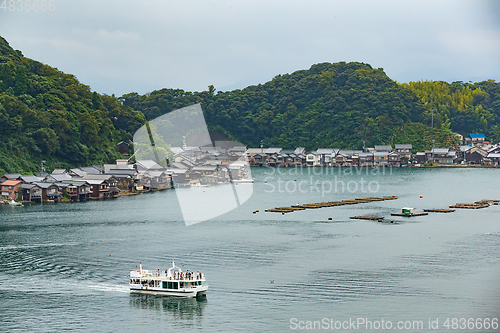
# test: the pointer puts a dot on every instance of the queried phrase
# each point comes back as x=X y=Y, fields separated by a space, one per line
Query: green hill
x=46 y=114
x=340 y=105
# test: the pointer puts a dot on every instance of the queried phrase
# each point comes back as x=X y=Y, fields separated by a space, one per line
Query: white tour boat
x=171 y=282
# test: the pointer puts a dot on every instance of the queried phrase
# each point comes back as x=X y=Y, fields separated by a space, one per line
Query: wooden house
x=10 y=188
x=32 y=193
x=443 y=156
x=313 y=159
x=380 y=158
x=99 y=189
x=394 y=159
x=475 y=155
x=50 y=191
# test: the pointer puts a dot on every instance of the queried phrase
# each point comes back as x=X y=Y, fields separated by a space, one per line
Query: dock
x=371 y=218
x=436 y=210
x=293 y=208
x=470 y=205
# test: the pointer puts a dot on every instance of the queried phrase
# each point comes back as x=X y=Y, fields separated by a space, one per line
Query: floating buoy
x=393 y=196
x=329 y=219
x=203 y=191
x=421 y=196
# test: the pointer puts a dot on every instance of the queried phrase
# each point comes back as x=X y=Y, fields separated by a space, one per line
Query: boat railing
x=163 y=275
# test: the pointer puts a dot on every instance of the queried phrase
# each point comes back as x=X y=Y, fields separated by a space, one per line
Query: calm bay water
x=65 y=266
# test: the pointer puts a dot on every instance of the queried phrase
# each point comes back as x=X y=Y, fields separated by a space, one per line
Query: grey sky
x=125 y=46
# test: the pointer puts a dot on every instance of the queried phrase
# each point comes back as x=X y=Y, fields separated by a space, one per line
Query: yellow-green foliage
x=453 y=104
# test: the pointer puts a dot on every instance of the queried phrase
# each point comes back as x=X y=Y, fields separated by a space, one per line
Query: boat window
x=175 y=285
x=164 y=284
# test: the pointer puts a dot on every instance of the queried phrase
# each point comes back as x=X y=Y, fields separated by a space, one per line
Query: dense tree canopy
x=46 y=114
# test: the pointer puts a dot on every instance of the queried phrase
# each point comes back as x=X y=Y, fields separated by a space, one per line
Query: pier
x=436 y=210
x=293 y=208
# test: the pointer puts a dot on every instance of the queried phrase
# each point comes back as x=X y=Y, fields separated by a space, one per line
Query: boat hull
x=185 y=293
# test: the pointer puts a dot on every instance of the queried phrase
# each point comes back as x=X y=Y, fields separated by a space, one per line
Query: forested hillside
x=461 y=107
x=341 y=105
x=48 y=115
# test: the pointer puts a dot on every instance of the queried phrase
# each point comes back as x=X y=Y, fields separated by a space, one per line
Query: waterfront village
x=203 y=166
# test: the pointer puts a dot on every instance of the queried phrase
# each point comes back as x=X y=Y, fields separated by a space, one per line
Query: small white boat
x=200 y=185
x=15 y=203
x=242 y=181
x=171 y=282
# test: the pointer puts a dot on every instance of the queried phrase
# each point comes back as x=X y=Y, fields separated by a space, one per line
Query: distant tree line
x=46 y=114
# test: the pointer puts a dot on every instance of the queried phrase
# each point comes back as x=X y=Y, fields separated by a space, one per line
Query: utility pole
x=41 y=171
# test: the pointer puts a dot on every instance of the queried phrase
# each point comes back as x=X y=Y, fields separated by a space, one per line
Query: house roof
x=158 y=173
x=95 y=181
x=91 y=170
x=59 y=177
x=75 y=182
x=350 y=152
x=78 y=172
x=31 y=179
x=327 y=150
x=476 y=136
x=12 y=175
x=403 y=146
x=205 y=168
x=176 y=150
x=238 y=148
x=115 y=172
x=177 y=171
x=480 y=152
x=464 y=148
x=273 y=150
x=148 y=164
x=58 y=171
x=29 y=186
x=98 y=177
x=440 y=150
x=255 y=150
x=494 y=155
x=299 y=150
x=11 y=182
x=46 y=184
x=178 y=165
x=383 y=148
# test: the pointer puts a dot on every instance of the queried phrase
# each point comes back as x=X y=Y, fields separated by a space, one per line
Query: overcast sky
x=126 y=46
